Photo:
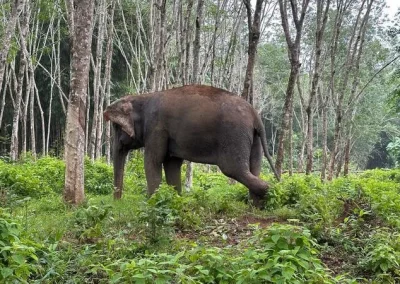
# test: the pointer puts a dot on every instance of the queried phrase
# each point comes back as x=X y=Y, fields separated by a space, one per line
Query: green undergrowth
x=344 y=231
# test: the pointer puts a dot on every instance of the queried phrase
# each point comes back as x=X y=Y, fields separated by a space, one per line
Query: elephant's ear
x=121 y=113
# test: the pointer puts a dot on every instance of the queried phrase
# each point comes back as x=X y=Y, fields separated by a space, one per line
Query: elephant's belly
x=198 y=152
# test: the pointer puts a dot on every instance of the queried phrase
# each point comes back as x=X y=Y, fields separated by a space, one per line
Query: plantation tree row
x=319 y=72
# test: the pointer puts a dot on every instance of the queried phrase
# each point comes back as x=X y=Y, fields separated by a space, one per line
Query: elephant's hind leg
x=172 y=169
x=256 y=156
x=257 y=187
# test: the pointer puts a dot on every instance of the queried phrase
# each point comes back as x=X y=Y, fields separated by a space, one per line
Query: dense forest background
x=324 y=75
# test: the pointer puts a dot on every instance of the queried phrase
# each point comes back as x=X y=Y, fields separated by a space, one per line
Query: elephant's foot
x=257 y=200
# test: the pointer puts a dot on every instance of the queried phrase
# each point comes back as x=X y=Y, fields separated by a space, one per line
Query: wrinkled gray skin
x=197 y=123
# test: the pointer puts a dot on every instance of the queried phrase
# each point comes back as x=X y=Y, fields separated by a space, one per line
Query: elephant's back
x=192 y=91
x=202 y=94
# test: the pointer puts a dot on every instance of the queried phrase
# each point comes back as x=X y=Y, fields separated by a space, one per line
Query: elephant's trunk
x=119 y=167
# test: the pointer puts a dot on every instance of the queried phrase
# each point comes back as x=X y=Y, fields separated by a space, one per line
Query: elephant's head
x=121 y=113
x=125 y=119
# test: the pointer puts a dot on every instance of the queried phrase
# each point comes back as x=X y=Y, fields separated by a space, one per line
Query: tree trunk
x=3 y=99
x=80 y=32
x=14 y=149
x=353 y=52
x=107 y=76
x=32 y=117
x=196 y=43
x=347 y=157
x=186 y=36
x=16 y=9
x=303 y=126
x=294 y=55
x=290 y=140
x=100 y=11
x=322 y=17
x=160 y=80
x=24 y=118
x=195 y=78
x=324 y=111
x=44 y=152
x=254 y=36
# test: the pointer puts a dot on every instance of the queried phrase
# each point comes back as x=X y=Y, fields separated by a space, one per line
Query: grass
x=346 y=231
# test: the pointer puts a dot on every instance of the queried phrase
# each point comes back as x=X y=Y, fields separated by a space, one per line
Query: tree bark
x=80 y=33
x=100 y=11
x=107 y=76
x=195 y=78
x=294 y=55
x=196 y=43
x=3 y=99
x=44 y=152
x=9 y=32
x=186 y=35
x=322 y=17
x=254 y=36
x=347 y=157
x=352 y=60
x=14 y=148
x=324 y=138
x=32 y=116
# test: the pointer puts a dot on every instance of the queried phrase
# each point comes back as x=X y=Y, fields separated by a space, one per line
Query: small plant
x=159 y=213
x=87 y=222
x=283 y=254
x=382 y=254
x=18 y=259
x=98 y=177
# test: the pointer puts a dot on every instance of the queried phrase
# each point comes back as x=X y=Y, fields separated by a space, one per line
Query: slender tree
x=97 y=70
x=107 y=74
x=322 y=17
x=23 y=31
x=254 y=24
x=195 y=77
x=354 y=50
x=16 y=9
x=294 y=58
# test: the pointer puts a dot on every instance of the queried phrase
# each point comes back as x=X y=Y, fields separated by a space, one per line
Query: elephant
x=198 y=123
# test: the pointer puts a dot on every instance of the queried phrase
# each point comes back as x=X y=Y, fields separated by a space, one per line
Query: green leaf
x=287 y=272
x=275 y=238
x=384 y=266
x=6 y=272
x=20 y=259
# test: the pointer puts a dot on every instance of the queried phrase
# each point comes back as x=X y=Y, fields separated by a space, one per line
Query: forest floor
x=344 y=231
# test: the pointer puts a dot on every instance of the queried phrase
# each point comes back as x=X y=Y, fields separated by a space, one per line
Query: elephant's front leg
x=152 y=167
x=154 y=155
x=172 y=168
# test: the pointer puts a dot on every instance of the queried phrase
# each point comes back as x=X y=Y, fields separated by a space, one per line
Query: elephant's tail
x=261 y=132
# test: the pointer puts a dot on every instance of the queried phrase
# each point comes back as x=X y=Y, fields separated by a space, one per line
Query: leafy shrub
x=289 y=191
x=135 y=179
x=385 y=198
x=282 y=254
x=382 y=253
x=159 y=213
x=22 y=180
x=52 y=171
x=18 y=259
x=87 y=221
x=46 y=175
x=227 y=198
x=98 y=177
